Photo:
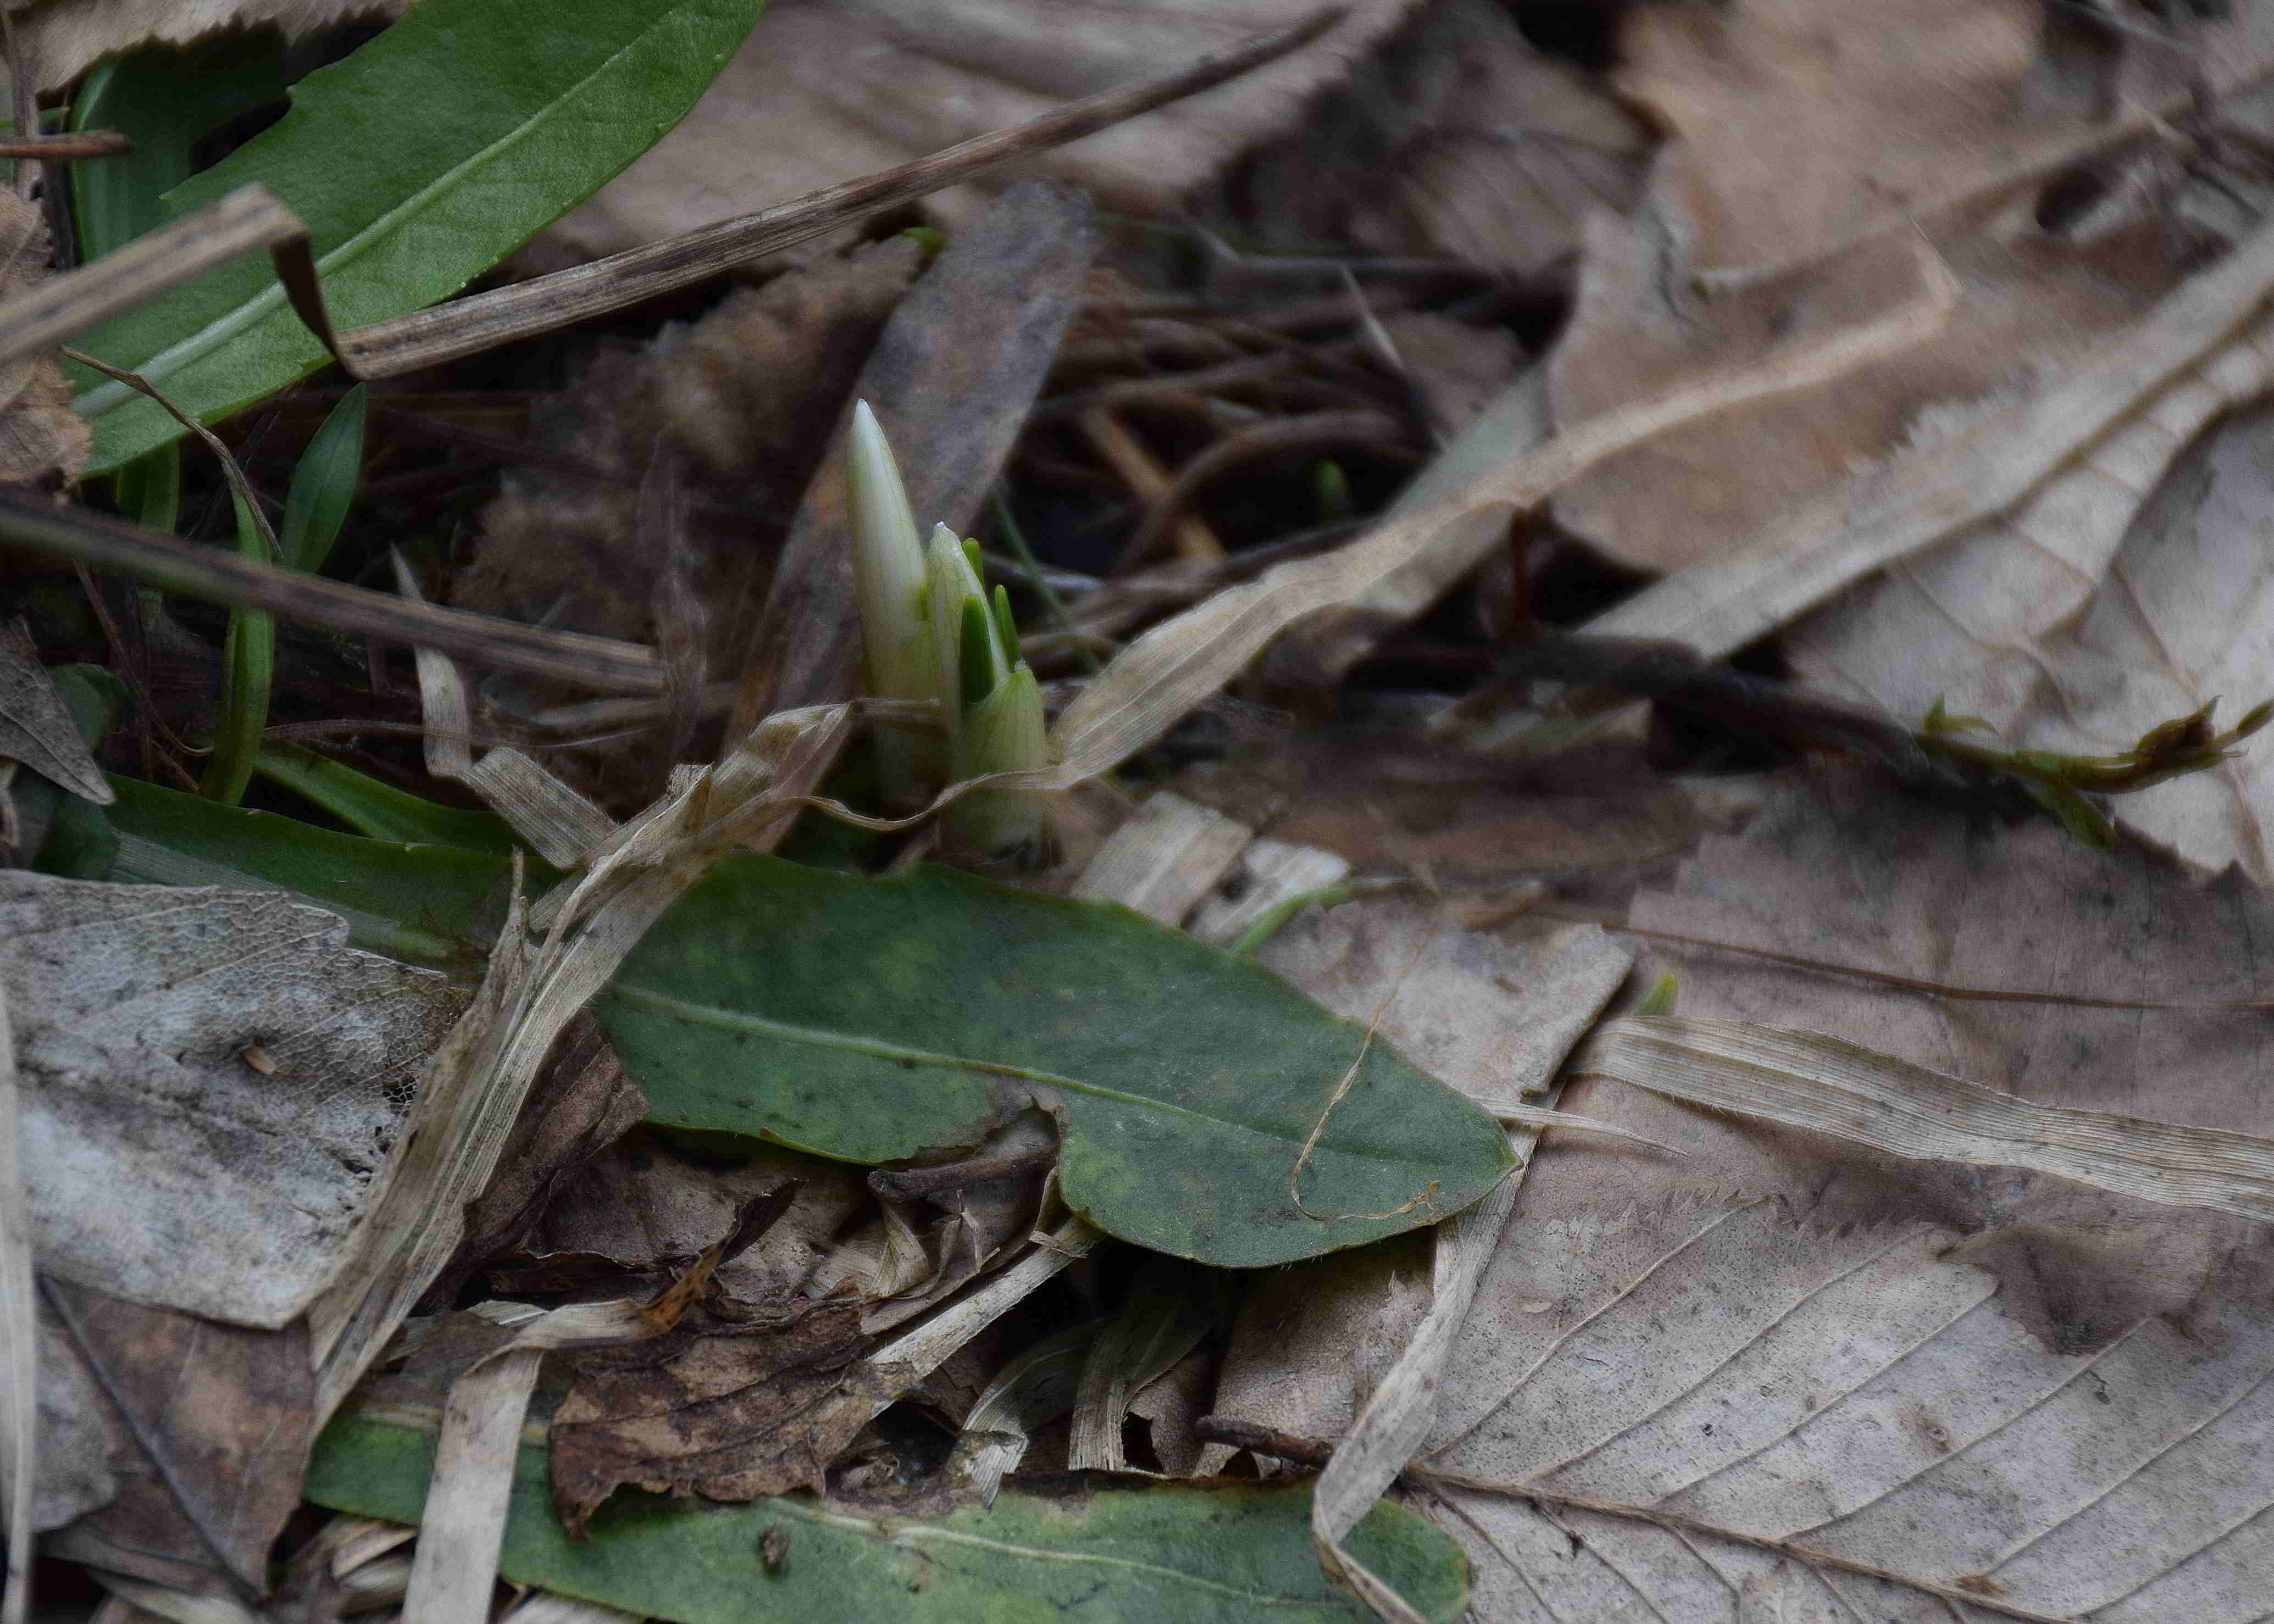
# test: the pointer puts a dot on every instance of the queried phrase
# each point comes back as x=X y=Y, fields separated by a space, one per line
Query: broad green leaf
x=870 y=1019
x=1084 y=1551
x=416 y=163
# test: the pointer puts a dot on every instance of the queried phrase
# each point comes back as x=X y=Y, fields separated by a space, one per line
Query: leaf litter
x=1910 y=1268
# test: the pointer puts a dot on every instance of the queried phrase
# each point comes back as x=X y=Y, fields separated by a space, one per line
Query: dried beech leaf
x=1693 y=1401
x=1996 y=465
x=1807 y=1081
x=215 y=1080
x=827 y=90
x=2138 y=592
x=1803 y=136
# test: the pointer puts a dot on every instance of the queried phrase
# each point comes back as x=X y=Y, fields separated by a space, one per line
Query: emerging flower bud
x=888 y=584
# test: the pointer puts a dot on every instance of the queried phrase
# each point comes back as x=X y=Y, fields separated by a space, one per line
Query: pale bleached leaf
x=2131 y=590
x=1703 y=1401
x=1996 y=466
x=1805 y=1080
x=213 y=1082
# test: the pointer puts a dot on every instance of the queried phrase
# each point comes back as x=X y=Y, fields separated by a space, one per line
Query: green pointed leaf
x=378 y=810
x=416 y=163
x=324 y=485
x=1080 y=1550
x=868 y=1018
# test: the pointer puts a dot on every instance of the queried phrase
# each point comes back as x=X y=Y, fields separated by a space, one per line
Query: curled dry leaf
x=40 y=438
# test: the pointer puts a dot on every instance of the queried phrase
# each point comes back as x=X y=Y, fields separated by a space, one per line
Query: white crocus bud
x=888 y=584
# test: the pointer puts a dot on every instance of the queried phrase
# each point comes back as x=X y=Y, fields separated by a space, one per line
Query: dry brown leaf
x=644 y=1203
x=62 y=39
x=1890 y=887
x=1701 y=1403
x=41 y=439
x=165 y=1167
x=1803 y=134
x=579 y=1108
x=1795 y=123
x=204 y=1429
x=827 y=90
x=741 y=1399
x=2058 y=467
x=1459 y=137
x=2155 y=603
x=2029 y=302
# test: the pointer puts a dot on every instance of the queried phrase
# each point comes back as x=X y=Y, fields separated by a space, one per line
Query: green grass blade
x=378 y=810
x=248 y=671
x=324 y=485
x=416 y=163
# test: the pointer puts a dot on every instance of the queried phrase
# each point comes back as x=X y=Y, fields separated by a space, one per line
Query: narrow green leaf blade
x=870 y=1019
x=428 y=904
x=324 y=485
x=1081 y=1551
x=418 y=163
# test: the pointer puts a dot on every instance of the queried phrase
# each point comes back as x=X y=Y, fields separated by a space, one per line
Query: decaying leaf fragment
x=41 y=437
x=165 y=1167
x=742 y=1399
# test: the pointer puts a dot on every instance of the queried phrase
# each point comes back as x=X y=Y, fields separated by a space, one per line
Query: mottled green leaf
x=870 y=1019
x=1079 y=1551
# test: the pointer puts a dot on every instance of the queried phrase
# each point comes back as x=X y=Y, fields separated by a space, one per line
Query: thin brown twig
x=66 y=145
x=1376 y=431
x=213 y=575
